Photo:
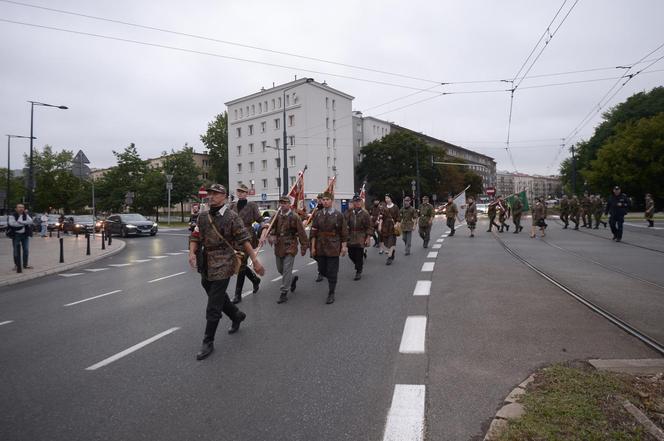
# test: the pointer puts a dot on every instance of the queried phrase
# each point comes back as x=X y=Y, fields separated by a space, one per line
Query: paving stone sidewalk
x=44 y=256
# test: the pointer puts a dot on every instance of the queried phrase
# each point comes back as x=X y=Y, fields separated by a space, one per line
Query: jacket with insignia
x=249 y=214
x=471 y=213
x=359 y=226
x=389 y=216
x=451 y=210
x=287 y=229
x=408 y=218
x=427 y=213
x=330 y=231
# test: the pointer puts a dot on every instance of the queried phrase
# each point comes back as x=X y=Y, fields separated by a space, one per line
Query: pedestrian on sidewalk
x=43 y=227
x=249 y=213
x=426 y=217
x=212 y=250
x=389 y=221
x=286 y=231
x=451 y=212
x=650 y=210
x=539 y=215
x=328 y=238
x=616 y=208
x=20 y=230
x=471 y=215
x=408 y=216
x=360 y=230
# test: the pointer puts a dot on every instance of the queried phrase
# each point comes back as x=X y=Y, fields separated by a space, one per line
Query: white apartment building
x=535 y=185
x=319 y=133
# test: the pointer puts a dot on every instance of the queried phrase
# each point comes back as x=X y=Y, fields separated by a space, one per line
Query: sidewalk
x=44 y=256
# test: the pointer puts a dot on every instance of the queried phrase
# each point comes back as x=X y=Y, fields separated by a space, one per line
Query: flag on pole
x=296 y=194
x=521 y=195
x=363 y=193
x=330 y=185
x=460 y=201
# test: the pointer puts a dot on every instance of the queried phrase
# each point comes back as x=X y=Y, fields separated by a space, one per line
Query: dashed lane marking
x=437 y=246
x=70 y=274
x=295 y=270
x=175 y=254
x=185 y=251
x=441 y=240
x=432 y=255
x=6 y=322
x=141 y=260
x=128 y=351
x=405 y=419
x=422 y=288
x=157 y=257
x=276 y=279
x=247 y=293
x=427 y=266
x=414 y=333
x=119 y=265
x=95 y=297
x=96 y=270
x=311 y=263
x=167 y=277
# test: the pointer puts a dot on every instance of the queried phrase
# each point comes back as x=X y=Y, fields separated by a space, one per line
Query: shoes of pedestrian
x=576 y=228
x=206 y=350
x=407 y=253
x=507 y=227
x=257 y=284
x=565 y=227
x=28 y=267
x=488 y=231
x=426 y=244
x=618 y=239
x=472 y=235
x=293 y=283
x=319 y=278
x=451 y=234
x=330 y=299
x=235 y=326
x=532 y=236
x=237 y=298
x=358 y=276
x=389 y=261
x=596 y=228
x=364 y=253
x=283 y=298
x=381 y=252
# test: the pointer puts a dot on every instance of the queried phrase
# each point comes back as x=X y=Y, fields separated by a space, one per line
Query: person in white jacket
x=20 y=225
x=44 y=225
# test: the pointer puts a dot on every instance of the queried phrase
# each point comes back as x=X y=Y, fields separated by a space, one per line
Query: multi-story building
x=534 y=185
x=202 y=161
x=319 y=134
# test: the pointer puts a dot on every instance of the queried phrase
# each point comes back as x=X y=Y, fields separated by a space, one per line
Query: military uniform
x=249 y=213
x=451 y=212
x=597 y=209
x=650 y=211
x=574 y=211
x=471 y=217
x=503 y=213
x=491 y=212
x=538 y=215
x=408 y=217
x=427 y=214
x=586 y=210
x=360 y=228
x=388 y=218
x=375 y=212
x=564 y=211
x=287 y=230
x=328 y=232
x=517 y=210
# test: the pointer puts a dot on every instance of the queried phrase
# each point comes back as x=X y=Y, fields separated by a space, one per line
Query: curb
x=65 y=267
x=510 y=410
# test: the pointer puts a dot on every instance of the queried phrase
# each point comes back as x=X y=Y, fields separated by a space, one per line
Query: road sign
x=252 y=192
x=202 y=192
x=263 y=197
x=169 y=186
x=434 y=197
x=80 y=158
x=129 y=198
x=313 y=204
x=490 y=191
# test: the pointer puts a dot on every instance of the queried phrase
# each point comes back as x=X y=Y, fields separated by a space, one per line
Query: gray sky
x=159 y=98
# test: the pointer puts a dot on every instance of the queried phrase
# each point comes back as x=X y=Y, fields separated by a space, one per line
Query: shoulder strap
x=214 y=227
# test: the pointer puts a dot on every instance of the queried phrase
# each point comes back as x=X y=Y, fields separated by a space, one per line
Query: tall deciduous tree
x=185 y=173
x=215 y=140
x=127 y=176
x=55 y=185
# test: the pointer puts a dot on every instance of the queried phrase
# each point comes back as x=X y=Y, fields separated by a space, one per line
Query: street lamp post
x=31 y=179
x=9 y=170
x=285 y=164
x=169 y=187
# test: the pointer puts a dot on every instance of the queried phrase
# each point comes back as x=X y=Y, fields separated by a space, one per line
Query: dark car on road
x=79 y=224
x=127 y=224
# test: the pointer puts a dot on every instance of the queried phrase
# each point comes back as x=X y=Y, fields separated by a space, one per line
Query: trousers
x=356 y=255
x=329 y=268
x=407 y=239
x=218 y=301
x=21 y=242
x=616 y=224
x=285 y=268
x=450 y=224
x=425 y=233
x=245 y=271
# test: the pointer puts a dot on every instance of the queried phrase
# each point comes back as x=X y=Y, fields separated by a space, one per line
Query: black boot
x=238 y=297
x=255 y=280
x=426 y=244
x=235 y=326
x=293 y=283
x=283 y=298
x=358 y=275
x=650 y=223
x=319 y=278
x=208 y=340
x=507 y=227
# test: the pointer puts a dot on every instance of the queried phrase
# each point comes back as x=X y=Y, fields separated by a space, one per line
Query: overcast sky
x=120 y=92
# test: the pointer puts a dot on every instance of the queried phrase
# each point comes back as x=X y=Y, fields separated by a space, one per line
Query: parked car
x=127 y=224
x=79 y=224
x=3 y=222
x=53 y=222
x=482 y=208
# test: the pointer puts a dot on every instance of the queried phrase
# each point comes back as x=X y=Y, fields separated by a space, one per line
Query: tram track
x=607 y=238
x=613 y=318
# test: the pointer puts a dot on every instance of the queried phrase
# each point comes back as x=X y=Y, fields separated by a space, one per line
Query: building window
x=334 y=143
x=277 y=162
x=291 y=120
x=239 y=132
x=239 y=167
x=327 y=123
x=328 y=161
x=292 y=180
x=264 y=164
x=291 y=140
x=251 y=129
x=277 y=123
x=251 y=147
x=260 y=107
x=239 y=150
x=264 y=146
x=251 y=167
x=287 y=100
x=278 y=180
x=241 y=114
x=327 y=103
x=247 y=111
x=327 y=142
x=253 y=109
x=277 y=142
x=291 y=161
x=273 y=104
x=265 y=105
x=235 y=114
x=264 y=181
x=334 y=123
x=279 y=102
x=334 y=104
x=263 y=124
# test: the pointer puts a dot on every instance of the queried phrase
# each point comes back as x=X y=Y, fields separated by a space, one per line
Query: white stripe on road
x=7 y=322
x=70 y=274
x=414 y=333
x=278 y=278
x=119 y=265
x=437 y=246
x=428 y=266
x=432 y=255
x=185 y=251
x=95 y=297
x=94 y=270
x=643 y=226
x=174 y=254
x=141 y=260
x=166 y=277
x=312 y=262
x=441 y=240
x=157 y=257
x=247 y=293
x=128 y=351
x=423 y=288
x=295 y=270
x=405 y=420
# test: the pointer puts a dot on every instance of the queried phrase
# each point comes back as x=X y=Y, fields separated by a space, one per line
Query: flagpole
x=313 y=213
x=267 y=230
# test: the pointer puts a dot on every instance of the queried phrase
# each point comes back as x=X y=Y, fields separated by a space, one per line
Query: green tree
x=127 y=176
x=150 y=192
x=17 y=190
x=55 y=185
x=215 y=140
x=185 y=173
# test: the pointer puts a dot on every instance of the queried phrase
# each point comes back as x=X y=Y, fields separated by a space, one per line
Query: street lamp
x=285 y=164
x=9 y=170
x=31 y=179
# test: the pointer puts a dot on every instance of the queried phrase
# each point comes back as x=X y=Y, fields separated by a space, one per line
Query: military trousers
x=218 y=300
x=407 y=239
x=285 y=268
x=616 y=224
x=565 y=218
x=492 y=222
x=356 y=255
x=329 y=268
x=516 y=219
x=245 y=272
x=425 y=233
x=450 y=224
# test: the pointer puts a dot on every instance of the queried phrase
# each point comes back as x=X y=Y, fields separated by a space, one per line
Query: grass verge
x=573 y=401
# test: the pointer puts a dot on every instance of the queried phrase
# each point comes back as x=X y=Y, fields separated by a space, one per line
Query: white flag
x=460 y=202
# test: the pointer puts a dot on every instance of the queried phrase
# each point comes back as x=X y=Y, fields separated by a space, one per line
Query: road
x=106 y=352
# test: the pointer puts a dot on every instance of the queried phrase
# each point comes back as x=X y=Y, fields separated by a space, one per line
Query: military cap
x=217 y=188
x=356 y=198
x=284 y=199
x=320 y=196
x=243 y=188
x=616 y=188
x=327 y=194
x=387 y=195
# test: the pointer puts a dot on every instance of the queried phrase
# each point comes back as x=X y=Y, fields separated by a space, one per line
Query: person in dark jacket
x=616 y=208
x=19 y=227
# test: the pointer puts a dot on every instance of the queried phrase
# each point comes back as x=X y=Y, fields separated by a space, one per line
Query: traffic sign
x=313 y=204
x=81 y=158
x=490 y=191
x=202 y=192
x=263 y=197
x=434 y=197
x=169 y=186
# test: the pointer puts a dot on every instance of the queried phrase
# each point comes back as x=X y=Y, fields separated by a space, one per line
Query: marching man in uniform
x=451 y=212
x=427 y=214
x=360 y=229
x=328 y=237
x=218 y=233
x=249 y=213
x=408 y=216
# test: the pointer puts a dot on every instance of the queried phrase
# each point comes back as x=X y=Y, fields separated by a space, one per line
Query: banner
x=460 y=201
x=296 y=194
x=521 y=195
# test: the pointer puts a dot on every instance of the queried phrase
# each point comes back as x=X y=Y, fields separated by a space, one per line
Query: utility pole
x=573 y=172
x=169 y=187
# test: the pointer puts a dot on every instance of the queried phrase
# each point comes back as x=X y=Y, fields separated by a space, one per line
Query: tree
x=125 y=177
x=55 y=185
x=185 y=173
x=150 y=192
x=216 y=142
x=17 y=190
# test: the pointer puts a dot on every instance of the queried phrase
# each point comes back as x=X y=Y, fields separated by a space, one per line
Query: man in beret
x=360 y=230
x=212 y=244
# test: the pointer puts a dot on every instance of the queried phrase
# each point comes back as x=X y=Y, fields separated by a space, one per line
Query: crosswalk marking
x=95 y=270
x=70 y=274
x=437 y=246
x=432 y=255
x=119 y=265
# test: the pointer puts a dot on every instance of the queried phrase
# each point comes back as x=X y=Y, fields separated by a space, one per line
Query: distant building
x=202 y=160
x=534 y=185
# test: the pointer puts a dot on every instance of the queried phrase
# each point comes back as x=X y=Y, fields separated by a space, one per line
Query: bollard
x=87 y=238
x=110 y=238
x=19 y=264
x=103 y=240
x=50 y=233
x=62 y=251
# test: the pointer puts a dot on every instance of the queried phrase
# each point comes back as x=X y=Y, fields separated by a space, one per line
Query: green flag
x=522 y=196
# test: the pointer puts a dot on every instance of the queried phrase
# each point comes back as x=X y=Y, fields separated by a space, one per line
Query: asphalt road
x=305 y=370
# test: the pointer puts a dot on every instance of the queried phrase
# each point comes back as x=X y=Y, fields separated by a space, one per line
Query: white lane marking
x=440 y=240
x=405 y=420
x=94 y=270
x=6 y=322
x=643 y=226
x=174 y=254
x=414 y=333
x=246 y=293
x=432 y=255
x=119 y=265
x=278 y=278
x=428 y=266
x=423 y=288
x=128 y=351
x=167 y=277
x=157 y=257
x=437 y=246
x=70 y=274
x=312 y=262
x=185 y=251
x=95 y=297
x=141 y=260
x=295 y=270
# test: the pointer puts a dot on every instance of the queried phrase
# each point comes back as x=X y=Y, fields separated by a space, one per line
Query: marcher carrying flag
x=296 y=196
x=329 y=189
x=363 y=193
